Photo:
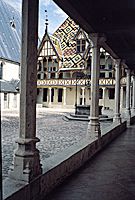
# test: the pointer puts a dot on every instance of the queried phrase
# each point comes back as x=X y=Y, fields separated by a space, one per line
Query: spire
x=46 y=22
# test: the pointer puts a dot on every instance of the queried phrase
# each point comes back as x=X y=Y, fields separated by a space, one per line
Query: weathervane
x=46 y=21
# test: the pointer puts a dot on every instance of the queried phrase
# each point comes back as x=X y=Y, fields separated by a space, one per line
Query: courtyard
x=53 y=129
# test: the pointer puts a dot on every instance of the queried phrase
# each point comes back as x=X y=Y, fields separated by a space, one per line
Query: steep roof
x=9 y=86
x=66 y=34
x=10 y=32
x=53 y=42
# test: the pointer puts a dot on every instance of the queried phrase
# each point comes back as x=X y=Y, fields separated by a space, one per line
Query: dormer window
x=81 y=45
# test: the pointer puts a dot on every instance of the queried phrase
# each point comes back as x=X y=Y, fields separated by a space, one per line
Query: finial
x=46 y=21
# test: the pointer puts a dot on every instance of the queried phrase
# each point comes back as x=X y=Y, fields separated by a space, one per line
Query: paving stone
x=54 y=132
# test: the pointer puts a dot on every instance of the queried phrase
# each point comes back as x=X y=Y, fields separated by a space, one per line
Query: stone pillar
x=121 y=97
x=133 y=100
x=104 y=89
x=117 y=117
x=50 y=95
x=130 y=96
x=94 y=125
x=55 y=95
x=26 y=158
x=64 y=96
x=128 y=111
x=83 y=95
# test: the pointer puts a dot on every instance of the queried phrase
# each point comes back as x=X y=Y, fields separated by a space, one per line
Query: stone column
x=50 y=95
x=55 y=95
x=64 y=96
x=128 y=111
x=26 y=158
x=83 y=95
x=117 y=117
x=133 y=100
x=94 y=125
x=104 y=89
x=121 y=97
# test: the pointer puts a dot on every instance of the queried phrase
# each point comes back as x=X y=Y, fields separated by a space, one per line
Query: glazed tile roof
x=10 y=35
x=66 y=34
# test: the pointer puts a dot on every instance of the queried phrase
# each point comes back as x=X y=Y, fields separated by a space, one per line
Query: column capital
x=97 y=39
x=83 y=88
x=133 y=76
x=117 y=62
x=128 y=71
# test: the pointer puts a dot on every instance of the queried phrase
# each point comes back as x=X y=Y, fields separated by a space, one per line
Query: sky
x=55 y=15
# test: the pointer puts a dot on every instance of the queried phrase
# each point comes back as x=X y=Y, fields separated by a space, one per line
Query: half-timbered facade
x=64 y=69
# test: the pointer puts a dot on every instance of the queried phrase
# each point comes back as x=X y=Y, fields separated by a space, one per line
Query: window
x=52 y=75
x=100 y=93
x=102 y=66
x=1 y=70
x=109 y=66
x=80 y=101
x=111 y=93
x=38 y=76
x=52 y=94
x=81 y=46
x=60 y=92
x=61 y=75
x=5 y=96
x=39 y=66
x=80 y=91
x=89 y=63
x=45 y=94
x=110 y=74
x=102 y=75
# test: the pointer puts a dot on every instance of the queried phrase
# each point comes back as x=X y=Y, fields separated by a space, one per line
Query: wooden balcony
x=72 y=82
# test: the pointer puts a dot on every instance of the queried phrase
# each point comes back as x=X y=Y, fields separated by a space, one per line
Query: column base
x=128 y=117
x=93 y=131
x=133 y=111
x=26 y=165
x=117 y=118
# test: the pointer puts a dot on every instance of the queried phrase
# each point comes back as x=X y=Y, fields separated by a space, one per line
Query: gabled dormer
x=48 y=58
x=81 y=41
x=47 y=48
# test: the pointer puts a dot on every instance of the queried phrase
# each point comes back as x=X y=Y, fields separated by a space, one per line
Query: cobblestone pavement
x=55 y=134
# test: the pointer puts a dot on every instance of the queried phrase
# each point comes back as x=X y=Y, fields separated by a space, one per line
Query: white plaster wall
x=13 y=101
x=2 y=100
x=10 y=71
x=70 y=96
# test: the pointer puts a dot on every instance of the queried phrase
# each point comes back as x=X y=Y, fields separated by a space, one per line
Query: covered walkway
x=108 y=176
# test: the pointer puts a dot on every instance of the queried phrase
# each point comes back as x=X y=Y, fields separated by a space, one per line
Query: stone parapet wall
x=60 y=166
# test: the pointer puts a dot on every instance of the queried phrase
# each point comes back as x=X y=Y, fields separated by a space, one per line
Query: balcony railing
x=72 y=82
